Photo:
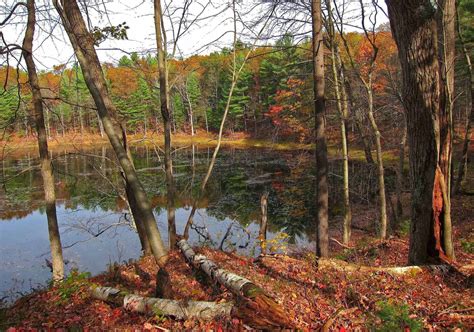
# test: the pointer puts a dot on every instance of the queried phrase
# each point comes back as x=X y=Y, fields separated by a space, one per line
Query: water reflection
x=95 y=222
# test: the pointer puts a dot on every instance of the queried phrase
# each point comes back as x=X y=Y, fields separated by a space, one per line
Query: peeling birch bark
x=254 y=306
x=177 y=309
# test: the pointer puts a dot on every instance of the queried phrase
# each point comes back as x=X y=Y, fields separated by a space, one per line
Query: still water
x=95 y=223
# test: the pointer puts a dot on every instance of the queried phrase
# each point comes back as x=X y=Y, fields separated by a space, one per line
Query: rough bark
x=83 y=45
x=414 y=28
x=45 y=161
x=255 y=306
x=170 y=308
x=322 y=237
x=165 y=113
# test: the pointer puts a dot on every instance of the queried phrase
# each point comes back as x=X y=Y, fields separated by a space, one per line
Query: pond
x=95 y=223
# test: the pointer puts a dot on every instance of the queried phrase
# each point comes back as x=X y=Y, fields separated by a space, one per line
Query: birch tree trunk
x=171 y=308
x=255 y=306
x=45 y=161
x=322 y=236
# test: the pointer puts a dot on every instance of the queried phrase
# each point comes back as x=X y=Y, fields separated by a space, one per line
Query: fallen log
x=171 y=308
x=341 y=265
x=255 y=307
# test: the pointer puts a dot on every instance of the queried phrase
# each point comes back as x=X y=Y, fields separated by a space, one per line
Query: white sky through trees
x=211 y=27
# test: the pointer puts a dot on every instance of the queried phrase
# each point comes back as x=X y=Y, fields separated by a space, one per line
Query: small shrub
x=72 y=284
x=396 y=317
x=468 y=246
x=345 y=254
x=404 y=227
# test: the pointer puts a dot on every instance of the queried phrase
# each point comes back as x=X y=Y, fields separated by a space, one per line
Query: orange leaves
x=124 y=80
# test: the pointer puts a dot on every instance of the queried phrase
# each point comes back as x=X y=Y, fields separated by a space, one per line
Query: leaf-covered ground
x=314 y=298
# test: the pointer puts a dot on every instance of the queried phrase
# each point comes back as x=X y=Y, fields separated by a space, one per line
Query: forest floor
x=313 y=298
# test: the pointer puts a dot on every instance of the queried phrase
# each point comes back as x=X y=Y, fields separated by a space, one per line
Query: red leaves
x=309 y=295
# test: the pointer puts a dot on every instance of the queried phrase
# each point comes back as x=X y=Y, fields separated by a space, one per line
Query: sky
x=211 y=30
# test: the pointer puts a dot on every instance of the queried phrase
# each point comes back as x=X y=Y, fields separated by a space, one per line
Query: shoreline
x=17 y=147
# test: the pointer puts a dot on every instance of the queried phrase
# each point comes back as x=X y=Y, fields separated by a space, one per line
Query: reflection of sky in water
x=232 y=196
x=24 y=244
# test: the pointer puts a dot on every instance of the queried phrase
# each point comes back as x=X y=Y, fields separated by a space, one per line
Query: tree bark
x=45 y=161
x=462 y=168
x=401 y=166
x=322 y=237
x=380 y=168
x=171 y=308
x=343 y=266
x=342 y=107
x=414 y=28
x=262 y=235
x=136 y=212
x=83 y=45
x=446 y=20
x=165 y=113
x=264 y=312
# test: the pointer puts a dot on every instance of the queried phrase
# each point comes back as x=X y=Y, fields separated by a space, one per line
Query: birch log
x=341 y=265
x=254 y=305
x=177 y=309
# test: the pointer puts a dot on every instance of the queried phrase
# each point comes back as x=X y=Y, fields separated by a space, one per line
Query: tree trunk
x=138 y=217
x=165 y=113
x=262 y=235
x=341 y=103
x=83 y=45
x=190 y=109
x=413 y=24
x=380 y=169
x=462 y=168
x=101 y=127
x=255 y=303
x=446 y=20
x=45 y=161
x=401 y=166
x=322 y=237
x=170 y=308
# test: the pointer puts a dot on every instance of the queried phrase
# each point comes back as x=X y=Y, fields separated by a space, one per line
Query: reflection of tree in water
x=91 y=181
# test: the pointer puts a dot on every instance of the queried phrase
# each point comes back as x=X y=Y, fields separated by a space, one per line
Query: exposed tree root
x=255 y=307
x=172 y=308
